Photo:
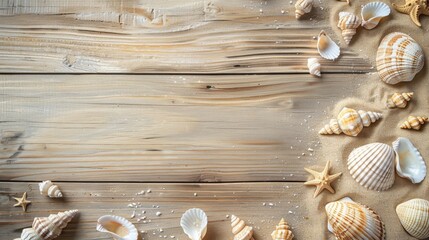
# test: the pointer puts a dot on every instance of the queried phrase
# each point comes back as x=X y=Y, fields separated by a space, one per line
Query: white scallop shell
x=194 y=223
x=117 y=227
x=372 y=166
x=399 y=58
x=314 y=66
x=414 y=217
x=409 y=161
x=372 y=13
x=348 y=23
x=327 y=48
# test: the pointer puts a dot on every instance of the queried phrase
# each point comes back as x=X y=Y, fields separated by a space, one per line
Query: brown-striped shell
x=414 y=122
x=47 y=188
x=240 y=230
x=348 y=23
x=399 y=100
x=282 y=231
x=414 y=217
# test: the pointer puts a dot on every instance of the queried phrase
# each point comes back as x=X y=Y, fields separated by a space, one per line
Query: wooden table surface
x=206 y=102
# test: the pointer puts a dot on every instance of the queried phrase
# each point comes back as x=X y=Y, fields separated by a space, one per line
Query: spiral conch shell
x=351 y=220
x=414 y=217
x=314 y=66
x=282 y=231
x=350 y=122
x=414 y=122
x=240 y=230
x=117 y=227
x=399 y=100
x=302 y=7
x=348 y=23
x=327 y=48
x=47 y=188
x=47 y=228
x=399 y=58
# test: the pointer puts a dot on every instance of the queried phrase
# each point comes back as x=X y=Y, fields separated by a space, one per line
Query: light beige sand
x=371 y=94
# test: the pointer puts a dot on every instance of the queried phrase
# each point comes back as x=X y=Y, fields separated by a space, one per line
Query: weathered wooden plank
x=163 y=128
x=163 y=36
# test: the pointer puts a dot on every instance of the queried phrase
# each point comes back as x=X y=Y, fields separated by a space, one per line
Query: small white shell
x=314 y=66
x=48 y=189
x=117 y=227
x=409 y=162
x=327 y=48
x=372 y=13
x=194 y=223
x=414 y=217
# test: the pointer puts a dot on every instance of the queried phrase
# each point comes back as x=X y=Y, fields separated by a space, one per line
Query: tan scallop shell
x=117 y=227
x=327 y=48
x=373 y=166
x=314 y=66
x=372 y=13
x=282 y=231
x=399 y=100
x=302 y=7
x=350 y=122
x=47 y=228
x=240 y=230
x=348 y=23
x=414 y=122
x=414 y=217
x=47 y=188
x=399 y=58
x=351 y=220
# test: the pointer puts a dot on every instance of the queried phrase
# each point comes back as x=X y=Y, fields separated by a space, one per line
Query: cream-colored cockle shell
x=399 y=58
x=414 y=217
x=409 y=162
x=117 y=227
x=327 y=48
x=399 y=100
x=47 y=188
x=194 y=223
x=414 y=122
x=349 y=220
x=240 y=230
x=350 y=122
x=314 y=67
x=47 y=228
x=373 y=166
x=282 y=231
x=372 y=13
x=348 y=23
x=302 y=7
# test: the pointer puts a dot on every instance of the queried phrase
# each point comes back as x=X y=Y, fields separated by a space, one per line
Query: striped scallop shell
x=372 y=13
x=351 y=220
x=372 y=166
x=348 y=23
x=327 y=48
x=414 y=217
x=399 y=58
x=240 y=230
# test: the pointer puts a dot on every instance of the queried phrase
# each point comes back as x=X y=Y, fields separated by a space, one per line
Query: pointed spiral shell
x=314 y=67
x=399 y=100
x=348 y=23
x=240 y=230
x=414 y=217
x=282 y=231
x=302 y=7
x=414 y=122
x=47 y=188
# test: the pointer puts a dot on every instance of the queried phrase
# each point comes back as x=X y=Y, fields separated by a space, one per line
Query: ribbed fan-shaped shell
x=327 y=48
x=414 y=217
x=350 y=220
x=348 y=23
x=302 y=7
x=47 y=188
x=414 y=122
x=194 y=223
x=399 y=58
x=372 y=166
x=314 y=66
x=117 y=227
x=399 y=100
x=240 y=230
x=409 y=162
x=372 y=13
x=282 y=231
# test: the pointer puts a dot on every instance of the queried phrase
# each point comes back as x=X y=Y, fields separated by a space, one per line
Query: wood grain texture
x=198 y=36
x=172 y=200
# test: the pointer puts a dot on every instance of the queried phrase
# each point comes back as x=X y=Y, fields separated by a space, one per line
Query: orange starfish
x=322 y=180
x=414 y=8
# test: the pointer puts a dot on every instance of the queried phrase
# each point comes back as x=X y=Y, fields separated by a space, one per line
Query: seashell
x=399 y=100
x=282 y=231
x=117 y=227
x=414 y=217
x=409 y=161
x=372 y=13
x=348 y=23
x=327 y=48
x=351 y=220
x=372 y=166
x=399 y=58
x=350 y=122
x=314 y=67
x=194 y=223
x=240 y=230
x=302 y=7
x=47 y=188
x=47 y=228
x=414 y=122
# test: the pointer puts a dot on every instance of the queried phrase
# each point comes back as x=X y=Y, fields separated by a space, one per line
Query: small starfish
x=23 y=202
x=414 y=8
x=322 y=179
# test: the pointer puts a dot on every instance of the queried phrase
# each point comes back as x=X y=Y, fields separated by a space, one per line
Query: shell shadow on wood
x=47 y=188
x=194 y=223
x=240 y=230
x=414 y=217
x=282 y=231
x=117 y=227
